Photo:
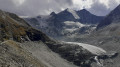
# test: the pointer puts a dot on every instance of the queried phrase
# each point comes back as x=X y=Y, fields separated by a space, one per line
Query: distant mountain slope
x=87 y=18
x=113 y=17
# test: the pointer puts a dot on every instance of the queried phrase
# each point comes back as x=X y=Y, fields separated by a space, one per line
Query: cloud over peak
x=44 y=7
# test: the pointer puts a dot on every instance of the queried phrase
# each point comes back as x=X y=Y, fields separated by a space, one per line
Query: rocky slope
x=13 y=55
x=44 y=53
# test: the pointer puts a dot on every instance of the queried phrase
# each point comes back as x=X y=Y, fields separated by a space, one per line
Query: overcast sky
x=44 y=7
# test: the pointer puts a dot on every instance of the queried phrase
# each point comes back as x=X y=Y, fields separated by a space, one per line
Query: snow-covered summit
x=73 y=12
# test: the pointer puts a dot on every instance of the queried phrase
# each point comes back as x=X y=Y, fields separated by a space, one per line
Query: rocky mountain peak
x=52 y=13
x=83 y=11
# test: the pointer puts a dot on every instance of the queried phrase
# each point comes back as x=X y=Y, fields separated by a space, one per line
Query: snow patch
x=71 y=26
x=24 y=16
x=71 y=30
x=72 y=23
x=93 y=49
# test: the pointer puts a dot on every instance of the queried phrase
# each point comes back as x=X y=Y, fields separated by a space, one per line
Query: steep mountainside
x=66 y=23
x=14 y=28
x=111 y=24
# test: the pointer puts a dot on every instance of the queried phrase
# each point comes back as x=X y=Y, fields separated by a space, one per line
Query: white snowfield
x=71 y=26
x=93 y=49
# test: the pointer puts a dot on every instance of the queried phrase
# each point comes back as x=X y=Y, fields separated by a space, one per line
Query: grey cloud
x=42 y=7
x=101 y=9
x=7 y=5
x=35 y=7
x=64 y=1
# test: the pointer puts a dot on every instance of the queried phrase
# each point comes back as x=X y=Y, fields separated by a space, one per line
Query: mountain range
x=66 y=23
x=21 y=45
x=99 y=31
x=29 y=42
